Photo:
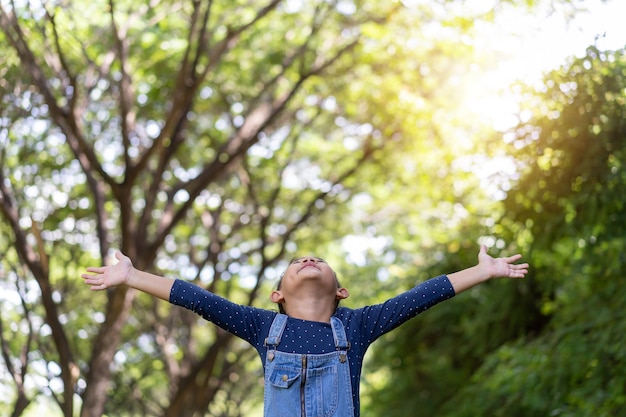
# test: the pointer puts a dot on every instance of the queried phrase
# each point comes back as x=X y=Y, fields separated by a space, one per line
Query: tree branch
x=18 y=375
x=126 y=97
x=38 y=267
x=66 y=121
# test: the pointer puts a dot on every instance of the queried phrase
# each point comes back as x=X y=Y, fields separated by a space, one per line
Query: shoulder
x=348 y=316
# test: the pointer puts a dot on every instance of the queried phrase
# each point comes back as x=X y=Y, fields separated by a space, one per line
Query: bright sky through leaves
x=534 y=43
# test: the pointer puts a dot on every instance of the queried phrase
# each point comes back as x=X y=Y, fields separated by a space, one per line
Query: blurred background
x=212 y=141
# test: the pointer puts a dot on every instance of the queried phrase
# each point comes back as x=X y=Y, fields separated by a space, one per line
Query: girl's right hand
x=101 y=278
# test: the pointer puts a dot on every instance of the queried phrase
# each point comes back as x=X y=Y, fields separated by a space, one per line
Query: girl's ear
x=342 y=293
x=277 y=297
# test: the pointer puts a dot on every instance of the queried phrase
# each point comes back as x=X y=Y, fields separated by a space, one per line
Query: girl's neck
x=311 y=311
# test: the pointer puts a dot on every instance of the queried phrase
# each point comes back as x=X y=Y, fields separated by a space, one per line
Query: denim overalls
x=298 y=385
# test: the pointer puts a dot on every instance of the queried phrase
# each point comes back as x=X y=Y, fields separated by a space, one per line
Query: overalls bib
x=298 y=385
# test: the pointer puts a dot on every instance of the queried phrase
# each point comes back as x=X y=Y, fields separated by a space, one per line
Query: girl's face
x=309 y=268
x=308 y=277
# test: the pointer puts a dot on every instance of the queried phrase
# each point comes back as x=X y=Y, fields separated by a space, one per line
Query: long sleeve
x=381 y=318
x=243 y=321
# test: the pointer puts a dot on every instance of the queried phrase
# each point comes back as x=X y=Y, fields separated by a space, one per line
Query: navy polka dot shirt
x=363 y=326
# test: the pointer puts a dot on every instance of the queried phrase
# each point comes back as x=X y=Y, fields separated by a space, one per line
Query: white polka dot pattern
x=363 y=326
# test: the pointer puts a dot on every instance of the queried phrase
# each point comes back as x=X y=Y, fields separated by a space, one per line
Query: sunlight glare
x=532 y=44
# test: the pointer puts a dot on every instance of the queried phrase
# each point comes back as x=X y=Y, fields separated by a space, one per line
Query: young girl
x=312 y=351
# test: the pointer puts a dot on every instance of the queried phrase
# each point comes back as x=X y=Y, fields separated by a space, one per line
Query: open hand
x=501 y=267
x=101 y=278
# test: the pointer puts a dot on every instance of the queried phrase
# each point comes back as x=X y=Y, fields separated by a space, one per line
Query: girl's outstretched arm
x=487 y=268
x=124 y=273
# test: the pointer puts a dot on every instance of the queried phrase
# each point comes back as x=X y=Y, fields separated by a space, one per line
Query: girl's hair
x=281 y=309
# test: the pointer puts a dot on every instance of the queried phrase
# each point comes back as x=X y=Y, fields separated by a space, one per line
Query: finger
x=91 y=282
x=89 y=276
x=513 y=258
x=92 y=279
x=518 y=273
x=96 y=269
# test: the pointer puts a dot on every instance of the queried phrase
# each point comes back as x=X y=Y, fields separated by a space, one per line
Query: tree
x=550 y=345
x=182 y=149
x=571 y=199
x=204 y=139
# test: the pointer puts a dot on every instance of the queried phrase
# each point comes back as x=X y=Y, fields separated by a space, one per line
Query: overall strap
x=276 y=331
x=339 y=334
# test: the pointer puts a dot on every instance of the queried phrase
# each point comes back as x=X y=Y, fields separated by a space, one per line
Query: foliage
x=571 y=196
x=213 y=140
x=549 y=345
x=208 y=141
